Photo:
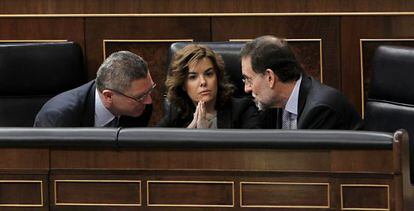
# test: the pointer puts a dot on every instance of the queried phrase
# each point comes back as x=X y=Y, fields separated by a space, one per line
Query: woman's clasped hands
x=200 y=119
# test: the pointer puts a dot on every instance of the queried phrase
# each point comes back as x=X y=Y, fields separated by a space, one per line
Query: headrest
x=229 y=51
x=393 y=73
x=40 y=68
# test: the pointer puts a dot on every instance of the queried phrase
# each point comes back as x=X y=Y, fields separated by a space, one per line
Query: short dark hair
x=119 y=70
x=178 y=72
x=269 y=52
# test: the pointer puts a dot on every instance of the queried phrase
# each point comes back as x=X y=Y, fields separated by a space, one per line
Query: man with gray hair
x=120 y=96
x=277 y=80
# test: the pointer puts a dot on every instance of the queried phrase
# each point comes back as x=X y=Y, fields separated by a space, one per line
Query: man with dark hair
x=118 y=97
x=276 y=80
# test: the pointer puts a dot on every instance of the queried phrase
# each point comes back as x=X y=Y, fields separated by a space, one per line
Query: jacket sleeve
x=53 y=118
x=45 y=119
x=325 y=117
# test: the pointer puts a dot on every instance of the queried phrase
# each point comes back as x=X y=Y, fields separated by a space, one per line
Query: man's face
x=256 y=84
x=132 y=101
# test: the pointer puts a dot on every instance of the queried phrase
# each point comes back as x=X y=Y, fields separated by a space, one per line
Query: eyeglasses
x=248 y=81
x=138 y=99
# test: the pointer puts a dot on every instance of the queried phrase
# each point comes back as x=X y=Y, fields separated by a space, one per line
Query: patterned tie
x=289 y=120
x=293 y=121
x=286 y=120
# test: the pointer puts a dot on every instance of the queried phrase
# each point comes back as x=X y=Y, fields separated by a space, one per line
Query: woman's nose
x=203 y=81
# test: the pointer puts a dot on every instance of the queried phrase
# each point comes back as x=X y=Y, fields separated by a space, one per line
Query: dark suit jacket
x=76 y=108
x=319 y=107
x=238 y=113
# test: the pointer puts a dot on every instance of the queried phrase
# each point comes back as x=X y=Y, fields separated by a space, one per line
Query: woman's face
x=201 y=82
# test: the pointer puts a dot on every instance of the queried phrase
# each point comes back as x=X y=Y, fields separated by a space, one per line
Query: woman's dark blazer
x=237 y=113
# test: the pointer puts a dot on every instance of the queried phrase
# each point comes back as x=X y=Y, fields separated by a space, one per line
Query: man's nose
x=247 y=88
x=147 y=100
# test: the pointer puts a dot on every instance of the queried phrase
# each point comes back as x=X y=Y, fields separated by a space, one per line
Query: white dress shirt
x=290 y=112
x=102 y=115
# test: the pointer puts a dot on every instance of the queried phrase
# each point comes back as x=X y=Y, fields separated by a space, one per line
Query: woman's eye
x=209 y=73
x=192 y=77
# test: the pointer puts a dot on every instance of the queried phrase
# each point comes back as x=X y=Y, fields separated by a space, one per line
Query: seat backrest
x=31 y=73
x=229 y=51
x=390 y=104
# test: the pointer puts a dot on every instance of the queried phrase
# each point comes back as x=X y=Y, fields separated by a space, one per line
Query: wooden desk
x=169 y=178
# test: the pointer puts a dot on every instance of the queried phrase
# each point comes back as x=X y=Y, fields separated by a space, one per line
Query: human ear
x=107 y=95
x=271 y=77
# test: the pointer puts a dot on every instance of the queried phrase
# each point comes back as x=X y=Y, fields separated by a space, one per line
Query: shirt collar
x=292 y=103
x=102 y=115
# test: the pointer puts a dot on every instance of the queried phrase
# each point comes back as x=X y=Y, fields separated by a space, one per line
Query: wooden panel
x=318 y=160
x=290 y=189
x=21 y=193
x=356 y=28
x=308 y=53
x=284 y=195
x=97 y=193
x=146 y=29
x=262 y=159
x=365 y=197
x=24 y=158
x=85 y=178
x=209 y=6
x=323 y=28
x=99 y=29
x=71 y=29
x=190 y=193
x=358 y=160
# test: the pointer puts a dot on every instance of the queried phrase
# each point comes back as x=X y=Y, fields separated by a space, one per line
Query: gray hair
x=119 y=70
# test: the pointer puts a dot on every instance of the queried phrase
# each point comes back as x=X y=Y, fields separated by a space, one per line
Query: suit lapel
x=305 y=86
x=279 y=114
x=88 y=119
x=224 y=119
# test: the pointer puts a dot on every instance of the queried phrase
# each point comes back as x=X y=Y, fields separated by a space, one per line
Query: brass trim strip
x=97 y=204
x=299 y=40
x=192 y=182
x=142 y=41
x=286 y=206
x=29 y=41
x=258 y=14
x=321 y=59
x=361 y=59
x=25 y=205
x=365 y=185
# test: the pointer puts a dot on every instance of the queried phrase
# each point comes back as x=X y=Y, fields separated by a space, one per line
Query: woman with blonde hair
x=200 y=95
